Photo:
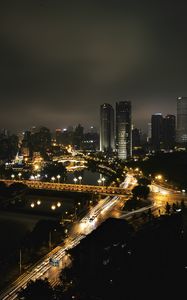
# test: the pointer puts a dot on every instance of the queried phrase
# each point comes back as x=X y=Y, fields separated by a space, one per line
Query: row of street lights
x=78 y=179
x=53 y=178
x=58 y=178
x=102 y=180
x=53 y=206
x=13 y=176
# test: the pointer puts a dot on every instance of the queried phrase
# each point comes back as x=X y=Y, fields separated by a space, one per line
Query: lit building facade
x=123 y=129
x=182 y=120
x=106 y=128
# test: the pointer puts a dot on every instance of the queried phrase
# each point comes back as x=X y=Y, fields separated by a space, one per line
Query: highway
x=43 y=269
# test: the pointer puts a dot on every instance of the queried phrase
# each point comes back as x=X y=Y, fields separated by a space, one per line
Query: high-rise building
x=106 y=128
x=58 y=136
x=182 y=120
x=169 y=132
x=136 y=137
x=78 y=136
x=123 y=129
x=157 y=131
x=149 y=132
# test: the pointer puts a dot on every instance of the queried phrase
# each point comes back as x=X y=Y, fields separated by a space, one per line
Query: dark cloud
x=61 y=59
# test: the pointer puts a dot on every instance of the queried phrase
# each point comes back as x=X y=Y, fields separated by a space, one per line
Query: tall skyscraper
x=136 y=136
x=123 y=129
x=106 y=128
x=157 y=130
x=149 y=129
x=169 y=132
x=182 y=120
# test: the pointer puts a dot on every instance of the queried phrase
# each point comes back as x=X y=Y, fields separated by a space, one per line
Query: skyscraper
x=149 y=129
x=169 y=132
x=123 y=129
x=106 y=128
x=157 y=130
x=182 y=120
x=136 y=135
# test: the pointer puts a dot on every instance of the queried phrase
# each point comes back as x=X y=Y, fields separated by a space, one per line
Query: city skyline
x=60 y=58
x=87 y=124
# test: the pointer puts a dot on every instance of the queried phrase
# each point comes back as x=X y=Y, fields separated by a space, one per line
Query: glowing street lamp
x=103 y=180
x=53 y=207
x=38 y=202
x=32 y=205
x=80 y=178
x=159 y=177
x=58 y=177
x=19 y=175
x=58 y=204
x=12 y=176
x=99 y=181
x=75 y=180
x=53 y=179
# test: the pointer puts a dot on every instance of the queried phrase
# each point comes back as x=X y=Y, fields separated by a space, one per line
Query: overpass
x=39 y=185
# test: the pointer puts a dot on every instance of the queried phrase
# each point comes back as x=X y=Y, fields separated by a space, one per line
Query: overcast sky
x=61 y=59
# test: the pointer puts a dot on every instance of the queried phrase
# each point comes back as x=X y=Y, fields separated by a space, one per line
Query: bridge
x=39 y=185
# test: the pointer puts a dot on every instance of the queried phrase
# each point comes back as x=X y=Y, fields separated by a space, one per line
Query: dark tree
x=168 y=207
x=37 y=290
x=144 y=181
x=68 y=277
x=141 y=191
x=174 y=207
x=183 y=205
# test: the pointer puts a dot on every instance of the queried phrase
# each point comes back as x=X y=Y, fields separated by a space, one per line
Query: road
x=43 y=269
x=104 y=209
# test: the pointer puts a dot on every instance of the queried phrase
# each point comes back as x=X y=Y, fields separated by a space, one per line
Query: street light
x=58 y=204
x=99 y=181
x=58 y=177
x=80 y=178
x=19 y=175
x=159 y=177
x=12 y=176
x=53 y=179
x=103 y=180
x=75 y=180
x=38 y=202
x=32 y=205
x=53 y=207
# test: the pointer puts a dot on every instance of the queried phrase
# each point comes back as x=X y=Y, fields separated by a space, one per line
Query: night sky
x=61 y=59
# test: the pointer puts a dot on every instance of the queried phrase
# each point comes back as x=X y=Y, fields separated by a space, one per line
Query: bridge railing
x=69 y=187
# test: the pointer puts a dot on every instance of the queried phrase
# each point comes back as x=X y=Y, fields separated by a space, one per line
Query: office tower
x=123 y=129
x=58 y=136
x=149 y=134
x=106 y=128
x=78 y=136
x=182 y=120
x=157 y=131
x=169 y=132
x=136 y=137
